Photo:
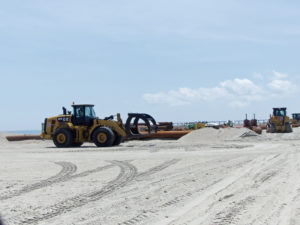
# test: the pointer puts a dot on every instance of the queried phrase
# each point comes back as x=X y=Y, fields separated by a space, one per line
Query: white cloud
x=184 y=96
x=281 y=85
x=241 y=86
x=237 y=92
x=278 y=75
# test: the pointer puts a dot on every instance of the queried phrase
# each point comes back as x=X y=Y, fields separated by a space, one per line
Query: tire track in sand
x=233 y=210
x=140 y=177
x=197 y=206
x=146 y=214
x=156 y=169
x=127 y=174
x=67 y=170
x=232 y=214
x=64 y=175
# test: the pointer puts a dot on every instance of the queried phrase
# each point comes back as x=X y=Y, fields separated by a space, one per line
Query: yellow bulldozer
x=279 y=122
x=72 y=129
x=295 y=120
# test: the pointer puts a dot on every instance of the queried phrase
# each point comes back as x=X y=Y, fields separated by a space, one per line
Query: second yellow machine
x=279 y=122
x=73 y=129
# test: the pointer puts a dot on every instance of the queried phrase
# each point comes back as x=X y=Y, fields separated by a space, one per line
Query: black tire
x=288 y=128
x=271 y=128
x=77 y=144
x=103 y=137
x=63 y=138
x=118 y=139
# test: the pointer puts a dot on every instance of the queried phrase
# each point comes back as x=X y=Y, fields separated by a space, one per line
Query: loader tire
x=118 y=140
x=288 y=128
x=271 y=128
x=103 y=137
x=63 y=138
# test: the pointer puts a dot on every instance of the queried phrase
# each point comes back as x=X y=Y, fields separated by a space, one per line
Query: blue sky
x=176 y=60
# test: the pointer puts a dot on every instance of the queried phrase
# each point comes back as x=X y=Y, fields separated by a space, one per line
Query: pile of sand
x=215 y=135
x=3 y=137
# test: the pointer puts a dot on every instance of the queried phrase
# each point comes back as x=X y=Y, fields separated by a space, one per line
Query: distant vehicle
x=295 y=119
x=279 y=122
x=214 y=125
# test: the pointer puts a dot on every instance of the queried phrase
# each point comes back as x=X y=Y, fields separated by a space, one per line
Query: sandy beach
x=208 y=177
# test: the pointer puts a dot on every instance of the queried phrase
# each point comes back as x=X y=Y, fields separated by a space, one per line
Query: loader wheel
x=63 y=138
x=288 y=128
x=103 y=137
x=118 y=139
x=271 y=128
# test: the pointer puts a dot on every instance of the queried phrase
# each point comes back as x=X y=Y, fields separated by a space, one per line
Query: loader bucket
x=134 y=129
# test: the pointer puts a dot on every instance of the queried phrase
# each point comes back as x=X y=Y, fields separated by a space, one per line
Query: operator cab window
x=79 y=112
x=89 y=112
x=282 y=113
x=279 y=112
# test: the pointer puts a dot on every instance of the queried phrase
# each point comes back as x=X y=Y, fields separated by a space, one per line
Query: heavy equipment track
x=122 y=179
x=146 y=214
x=67 y=170
x=211 y=192
x=235 y=204
x=156 y=169
x=149 y=213
x=127 y=174
x=88 y=172
x=64 y=175
x=140 y=177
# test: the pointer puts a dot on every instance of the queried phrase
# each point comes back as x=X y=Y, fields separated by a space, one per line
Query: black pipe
x=132 y=129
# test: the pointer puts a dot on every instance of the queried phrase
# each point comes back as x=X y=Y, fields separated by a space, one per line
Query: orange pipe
x=23 y=137
x=166 y=135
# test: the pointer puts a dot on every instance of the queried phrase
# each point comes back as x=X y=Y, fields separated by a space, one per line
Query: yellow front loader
x=279 y=122
x=73 y=129
x=295 y=120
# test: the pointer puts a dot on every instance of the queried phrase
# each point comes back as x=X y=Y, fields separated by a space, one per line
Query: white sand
x=2 y=137
x=213 y=135
x=209 y=177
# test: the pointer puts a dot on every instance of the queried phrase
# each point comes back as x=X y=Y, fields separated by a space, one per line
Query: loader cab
x=296 y=116
x=83 y=115
x=279 y=112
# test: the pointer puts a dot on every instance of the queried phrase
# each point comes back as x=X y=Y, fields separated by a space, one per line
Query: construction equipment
x=73 y=129
x=165 y=126
x=252 y=124
x=247 y=123
x=279 y=122
x=295 y=120
x=229 y=123
x=196 y=125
